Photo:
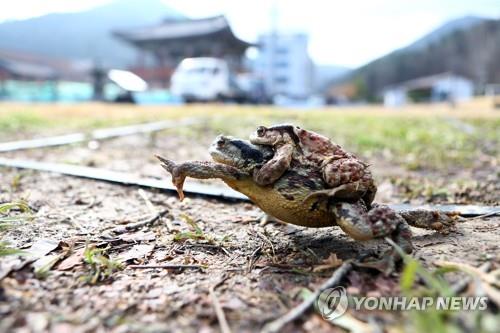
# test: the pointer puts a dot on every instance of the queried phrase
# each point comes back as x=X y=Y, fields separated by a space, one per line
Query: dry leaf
x=37 y=250
x=41 y=247
x=43 y=265
x=138 y=236
x=74 y=259
x=331 y=262
x=136 y=252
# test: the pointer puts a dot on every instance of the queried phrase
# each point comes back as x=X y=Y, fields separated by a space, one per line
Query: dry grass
x=100 y=112
x=415 y=135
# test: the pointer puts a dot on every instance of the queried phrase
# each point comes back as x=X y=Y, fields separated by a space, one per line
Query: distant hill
x=468 y=46
x=86 y=34
x=447 y=28
x=324 y=74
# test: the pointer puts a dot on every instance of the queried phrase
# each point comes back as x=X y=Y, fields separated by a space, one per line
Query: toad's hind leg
x=379 y=222
x=431 y=219
x=353 y=183
x=344 y=171
x=351 y=191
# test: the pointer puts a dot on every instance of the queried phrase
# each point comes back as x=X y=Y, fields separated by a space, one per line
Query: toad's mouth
x=219 y=157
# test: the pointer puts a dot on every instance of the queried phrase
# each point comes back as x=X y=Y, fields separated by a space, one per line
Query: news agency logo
x=332 y=303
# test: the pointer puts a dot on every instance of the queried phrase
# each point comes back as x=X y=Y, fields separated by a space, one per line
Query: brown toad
x=347 y=176
x=289 y=200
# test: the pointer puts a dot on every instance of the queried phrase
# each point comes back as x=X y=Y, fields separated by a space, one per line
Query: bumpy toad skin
x=347 y=176
x=289 y=200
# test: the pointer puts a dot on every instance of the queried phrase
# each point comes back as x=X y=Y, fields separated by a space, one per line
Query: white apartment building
x=284 y=65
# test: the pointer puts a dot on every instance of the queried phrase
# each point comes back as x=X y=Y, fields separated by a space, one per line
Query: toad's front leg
x=199 y=170
x=275 y=167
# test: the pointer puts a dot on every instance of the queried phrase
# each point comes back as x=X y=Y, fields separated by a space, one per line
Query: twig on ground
x=223 y=279
x=253 y=259
x=153 y=209
x=226 y=252
x=489 y=283
x=209 y=246
x=266 y=239
x=278 y=324
x=150 y=206
x=484 y=276
x=283 y=266
x=484 y=215
x=459 y=286
x=221 y=317
x=133 y=226
x=166 y=266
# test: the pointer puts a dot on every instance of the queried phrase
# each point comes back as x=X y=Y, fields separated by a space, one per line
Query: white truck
x=204 y=80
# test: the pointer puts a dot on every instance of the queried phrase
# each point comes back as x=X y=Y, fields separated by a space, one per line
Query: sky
x=347 y=33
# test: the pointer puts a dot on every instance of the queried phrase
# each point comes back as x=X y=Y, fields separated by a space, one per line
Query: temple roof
x=26 y=70
x=35 y=66
x=179 y=29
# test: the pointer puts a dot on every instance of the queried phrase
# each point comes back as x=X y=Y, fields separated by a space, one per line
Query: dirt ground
x=257 y=272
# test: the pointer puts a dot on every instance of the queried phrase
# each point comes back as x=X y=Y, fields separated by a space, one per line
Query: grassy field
x=416 y=136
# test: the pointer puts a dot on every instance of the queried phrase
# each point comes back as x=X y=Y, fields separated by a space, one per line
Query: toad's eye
x=261 y=130
x=221 y=142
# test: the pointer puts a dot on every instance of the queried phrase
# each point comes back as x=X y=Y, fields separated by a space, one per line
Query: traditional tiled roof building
x=162 y=46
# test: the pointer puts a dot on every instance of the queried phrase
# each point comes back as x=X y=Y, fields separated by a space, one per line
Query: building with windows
x=284 y=65
x=445 y=87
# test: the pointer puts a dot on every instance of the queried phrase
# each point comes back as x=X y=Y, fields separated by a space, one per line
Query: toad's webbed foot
x=386 y=264
x=266 y=218
x=177 y=177
x=166 y=164
x=387 y=261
